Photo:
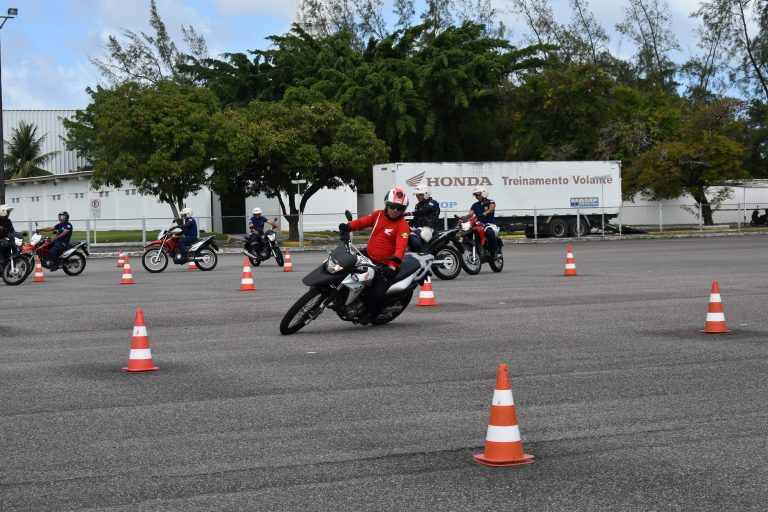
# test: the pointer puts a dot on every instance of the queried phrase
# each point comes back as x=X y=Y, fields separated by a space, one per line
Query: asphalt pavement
x=625 y=404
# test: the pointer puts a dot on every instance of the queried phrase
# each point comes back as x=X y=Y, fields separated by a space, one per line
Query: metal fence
x=314 y=228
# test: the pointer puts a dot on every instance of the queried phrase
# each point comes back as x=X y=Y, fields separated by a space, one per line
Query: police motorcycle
x=268 y=248
x=71 y=260
x=166 y=247
x=339 y=282
x=14 y=267
x=446 y=249
x=757 y=219
x=473 y=244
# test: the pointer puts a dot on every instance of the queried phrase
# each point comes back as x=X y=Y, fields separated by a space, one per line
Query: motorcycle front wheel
x=16 y=275
x=206 y=259
x=279 y=256
x=469 y=262
x=30 y=262
x=306 y=309
x=74 y=265
x=451 y=266
x=154 y=260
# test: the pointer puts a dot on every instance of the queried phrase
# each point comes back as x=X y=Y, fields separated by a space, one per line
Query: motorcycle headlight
x=465 y=226
x=36 y=238
x=332 y=266
x=18 y=241
x=161 y=234
x=271 y=237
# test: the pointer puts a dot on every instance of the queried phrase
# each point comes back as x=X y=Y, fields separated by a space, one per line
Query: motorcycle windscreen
x=320 y=277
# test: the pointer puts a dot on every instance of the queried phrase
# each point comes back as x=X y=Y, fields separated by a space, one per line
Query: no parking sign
x=95 y=208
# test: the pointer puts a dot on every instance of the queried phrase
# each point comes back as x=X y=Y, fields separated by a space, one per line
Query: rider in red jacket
x=386 y=245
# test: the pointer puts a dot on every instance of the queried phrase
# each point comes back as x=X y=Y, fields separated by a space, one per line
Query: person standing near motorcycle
x=426 y=214
x=189 y=233
x=386 y=246
x=64 y=230
x=484 y=210
x=256 y=225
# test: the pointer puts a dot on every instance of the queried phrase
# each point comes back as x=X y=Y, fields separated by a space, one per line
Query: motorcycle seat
x=410 y=266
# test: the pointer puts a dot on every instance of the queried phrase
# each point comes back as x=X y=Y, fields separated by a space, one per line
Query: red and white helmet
x=396 y=198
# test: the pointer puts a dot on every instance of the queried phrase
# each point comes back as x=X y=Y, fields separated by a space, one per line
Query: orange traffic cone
x=39 y=277
x=570 y=264
x=140 y=357
x=191 y=265
x=502 y=441
x=127 y=276
x=246 y=284
x=288 y=265
x=121 y=259
x=426 y=295
x=715 y=323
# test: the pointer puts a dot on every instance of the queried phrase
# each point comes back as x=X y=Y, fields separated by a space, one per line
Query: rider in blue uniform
x=188 y=231
x=63 y=232
x=256 y=226
x=484 y=209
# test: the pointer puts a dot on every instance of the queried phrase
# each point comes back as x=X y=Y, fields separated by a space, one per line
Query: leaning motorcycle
x=268 y=248
x=474 y=251
x=446 y=249
x=340 y=281
x=158 y=252
x=14 y=267
x=72 y=258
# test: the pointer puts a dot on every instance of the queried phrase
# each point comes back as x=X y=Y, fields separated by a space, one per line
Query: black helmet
x=64 y=213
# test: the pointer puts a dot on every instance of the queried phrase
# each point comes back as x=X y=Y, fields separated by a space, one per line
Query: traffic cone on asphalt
x=127 y=276
x=191 y=265
x=39 y=277
x=287 y=265
x=140 y=357
x=503 y=446
x=426 y=295
x=121 y=259
x=570 y=264
x=246 y=284
x=715 y=323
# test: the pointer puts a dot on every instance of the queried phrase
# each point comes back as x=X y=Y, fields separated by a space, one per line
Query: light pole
x=12 y=13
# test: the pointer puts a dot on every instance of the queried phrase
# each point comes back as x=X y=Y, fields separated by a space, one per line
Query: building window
x=127 y=192
x=133 y=192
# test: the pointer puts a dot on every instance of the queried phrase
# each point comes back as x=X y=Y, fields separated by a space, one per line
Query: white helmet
x=480 y=190
x=5 y=210
x=186 y=212
x=422 y=189
x=256 y=211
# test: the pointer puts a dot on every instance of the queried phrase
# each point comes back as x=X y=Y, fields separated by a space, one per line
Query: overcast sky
x=45 y=50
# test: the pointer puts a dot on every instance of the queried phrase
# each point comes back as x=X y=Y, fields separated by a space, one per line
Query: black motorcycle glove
x=395 y=259
x=343 y=227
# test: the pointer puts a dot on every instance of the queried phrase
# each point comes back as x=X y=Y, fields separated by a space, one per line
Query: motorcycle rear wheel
x=497 y=262
x=209 y=259
x=385 y=318
x=17 y=275
x=452 y=269
x=74 y=265
x=154 y=260
x=305 y=310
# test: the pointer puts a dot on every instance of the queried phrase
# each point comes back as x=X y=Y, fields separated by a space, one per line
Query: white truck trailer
x=555 y=199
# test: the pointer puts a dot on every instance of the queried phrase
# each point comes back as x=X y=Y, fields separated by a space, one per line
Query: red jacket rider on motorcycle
x=386 y=245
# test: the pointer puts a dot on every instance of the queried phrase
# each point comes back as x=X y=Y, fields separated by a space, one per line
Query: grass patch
x=122 y=236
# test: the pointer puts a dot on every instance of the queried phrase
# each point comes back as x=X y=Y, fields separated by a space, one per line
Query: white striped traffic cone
x=287 y=264
x=715 y=323
x=570 y=264
x=140 y=357
x=127 y=275
x=426 y=294
x=39 y=276
x=246 y=283
x=121 y=259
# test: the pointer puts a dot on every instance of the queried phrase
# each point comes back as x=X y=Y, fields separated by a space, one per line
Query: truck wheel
x=583 y=228
x=558 y=228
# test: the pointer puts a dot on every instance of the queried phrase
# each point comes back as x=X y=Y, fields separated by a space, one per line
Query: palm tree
x=23 y=154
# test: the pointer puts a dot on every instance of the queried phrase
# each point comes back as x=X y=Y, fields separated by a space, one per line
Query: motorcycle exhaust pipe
x=252 y=256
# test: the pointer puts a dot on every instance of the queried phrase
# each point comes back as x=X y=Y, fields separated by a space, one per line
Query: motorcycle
x=340 y=281
x=474 y=252
x=71 y=259
x=166 y=247
x=446 y=249
x=14 y=267
x=269 y=248
x=757 y=219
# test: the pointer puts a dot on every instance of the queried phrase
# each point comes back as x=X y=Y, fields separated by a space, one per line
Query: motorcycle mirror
x=348 y=214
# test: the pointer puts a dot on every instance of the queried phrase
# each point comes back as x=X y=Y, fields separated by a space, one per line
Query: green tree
x=265 y=145
x=156 y=137
x=24 y=157
x=703 y=155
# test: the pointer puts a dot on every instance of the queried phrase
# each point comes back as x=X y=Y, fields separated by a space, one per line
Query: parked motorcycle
x=474 y=251
x=446 y=249
x=166 y=247
x=757 y=219
x=340 y=281
x=13 y=266
x=268 y=247
x=71 y=260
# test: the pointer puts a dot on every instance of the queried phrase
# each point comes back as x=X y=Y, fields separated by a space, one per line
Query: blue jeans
x=54 y=250
x=184 y=242
x=490 y=239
